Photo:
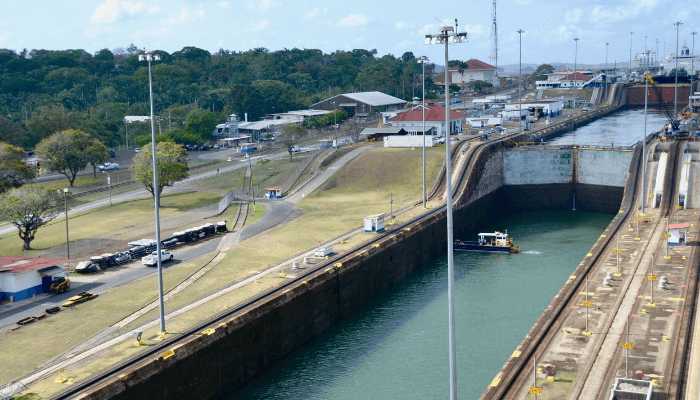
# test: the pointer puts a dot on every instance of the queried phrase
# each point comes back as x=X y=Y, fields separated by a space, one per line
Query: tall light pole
x=675 y=90
x=423 y=60
x=692 y=71
x=656 y=55
x=607 y=48
x=575 y=68
x=520 y=85
x=149 y=56
x=448 y=35
x=642 y=195
x=65 y=205
x=630 y=66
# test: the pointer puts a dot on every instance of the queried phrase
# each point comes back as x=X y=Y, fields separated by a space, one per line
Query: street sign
x=637 y=219
x=651 y=277
x=627 y=346
x=535 y=390
x=668 y=235
x=618 y=251
x=587 y=304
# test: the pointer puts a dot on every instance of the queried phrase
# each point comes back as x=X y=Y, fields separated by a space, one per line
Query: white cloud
x=224 y=4
x=473 y=30
x=151 y=33
x=315 y=13
x=264 y=5
x=4 y=37
x=132 y=8
x=427 y=30
x=260 y=25
x=97 y=30
x=111 y=11
x=220 y=43
x=401 y=25
x=186 y=15
x=106 y=13
x=573 y=16
x=153 y=9
x=354 y=20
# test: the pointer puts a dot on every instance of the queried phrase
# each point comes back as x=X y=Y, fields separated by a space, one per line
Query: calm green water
x=622 y=128
x=397 y=347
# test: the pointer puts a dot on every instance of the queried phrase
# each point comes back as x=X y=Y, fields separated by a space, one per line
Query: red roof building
x=412 y=121
x=22 y=277
x=475 y=71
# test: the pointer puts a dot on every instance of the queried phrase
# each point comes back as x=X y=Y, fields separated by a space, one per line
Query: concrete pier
x=596 y=330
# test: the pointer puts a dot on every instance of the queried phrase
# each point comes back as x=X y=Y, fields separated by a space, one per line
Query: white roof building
x=361 y=103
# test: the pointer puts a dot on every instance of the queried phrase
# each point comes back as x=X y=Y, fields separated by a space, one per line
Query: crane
x=673 y=120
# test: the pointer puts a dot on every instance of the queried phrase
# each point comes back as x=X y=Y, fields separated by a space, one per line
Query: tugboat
x=496 y=242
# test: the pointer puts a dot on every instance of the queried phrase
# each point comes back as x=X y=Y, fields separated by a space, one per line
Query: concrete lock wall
x=603 y=167
x=246 y=344
x=533 y=167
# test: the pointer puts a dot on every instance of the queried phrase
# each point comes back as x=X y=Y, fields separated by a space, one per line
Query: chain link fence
x=83 y=247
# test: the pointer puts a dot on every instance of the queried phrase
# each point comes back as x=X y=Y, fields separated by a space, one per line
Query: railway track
x=156 y=350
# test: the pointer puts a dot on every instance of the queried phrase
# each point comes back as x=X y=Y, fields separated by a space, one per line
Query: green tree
x=171 y=164
x=480 y=85
x=544 y=69
x=14 y=172
x=95 y=154
x=201 y=123
x=65 y=152
x=28 y=208
x=290 y=136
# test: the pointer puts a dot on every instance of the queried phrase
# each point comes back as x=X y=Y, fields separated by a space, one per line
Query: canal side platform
x=597 y=330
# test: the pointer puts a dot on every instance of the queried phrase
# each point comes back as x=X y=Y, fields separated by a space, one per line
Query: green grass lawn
x=270 y=174
x=103 y=220
x=359 y=189
x=30 y=346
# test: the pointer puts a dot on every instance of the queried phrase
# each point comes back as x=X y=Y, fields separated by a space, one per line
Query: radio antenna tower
x=494 y=38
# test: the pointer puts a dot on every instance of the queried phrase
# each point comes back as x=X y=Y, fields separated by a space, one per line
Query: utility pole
x=675 y=92
x=630 y=66
x=692 y=71
x=607 y=48
x=520 y=85
x=575 y=68
x=65 y=204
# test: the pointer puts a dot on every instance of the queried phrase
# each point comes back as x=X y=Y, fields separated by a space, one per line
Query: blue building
x=23 y=277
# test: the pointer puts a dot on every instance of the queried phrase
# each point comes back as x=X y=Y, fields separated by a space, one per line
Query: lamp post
x=575 y=68
x=692 y=71
x=630 y=66
x=65 y=206
x=675 y=90
x=149 y=56
x=607 y=48
x=423 y=60
x=446 y=36
x=644 y=141
x=520 y=85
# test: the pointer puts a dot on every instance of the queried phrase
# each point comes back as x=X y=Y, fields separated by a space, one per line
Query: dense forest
x=44 y=91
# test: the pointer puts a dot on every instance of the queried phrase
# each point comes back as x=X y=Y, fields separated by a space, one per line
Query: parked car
x=137 y=149
x=204 y=148
x=184 y=147
x=295 y=149
x=440 y=140
x=108 y=166
x=152 y=260
x=216 y=146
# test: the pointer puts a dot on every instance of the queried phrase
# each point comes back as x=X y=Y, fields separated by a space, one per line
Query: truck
x=108 y=166
x=152 y=260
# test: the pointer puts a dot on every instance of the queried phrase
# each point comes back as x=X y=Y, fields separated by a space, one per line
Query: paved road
x=100 y=282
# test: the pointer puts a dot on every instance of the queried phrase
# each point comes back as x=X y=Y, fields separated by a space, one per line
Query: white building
x=476 y=71
x=550 y=108
x=554 y=80
x=23 y=277
x=574 y=80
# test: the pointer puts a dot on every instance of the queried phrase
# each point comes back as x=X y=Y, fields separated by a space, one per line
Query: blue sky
x=389 y=26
